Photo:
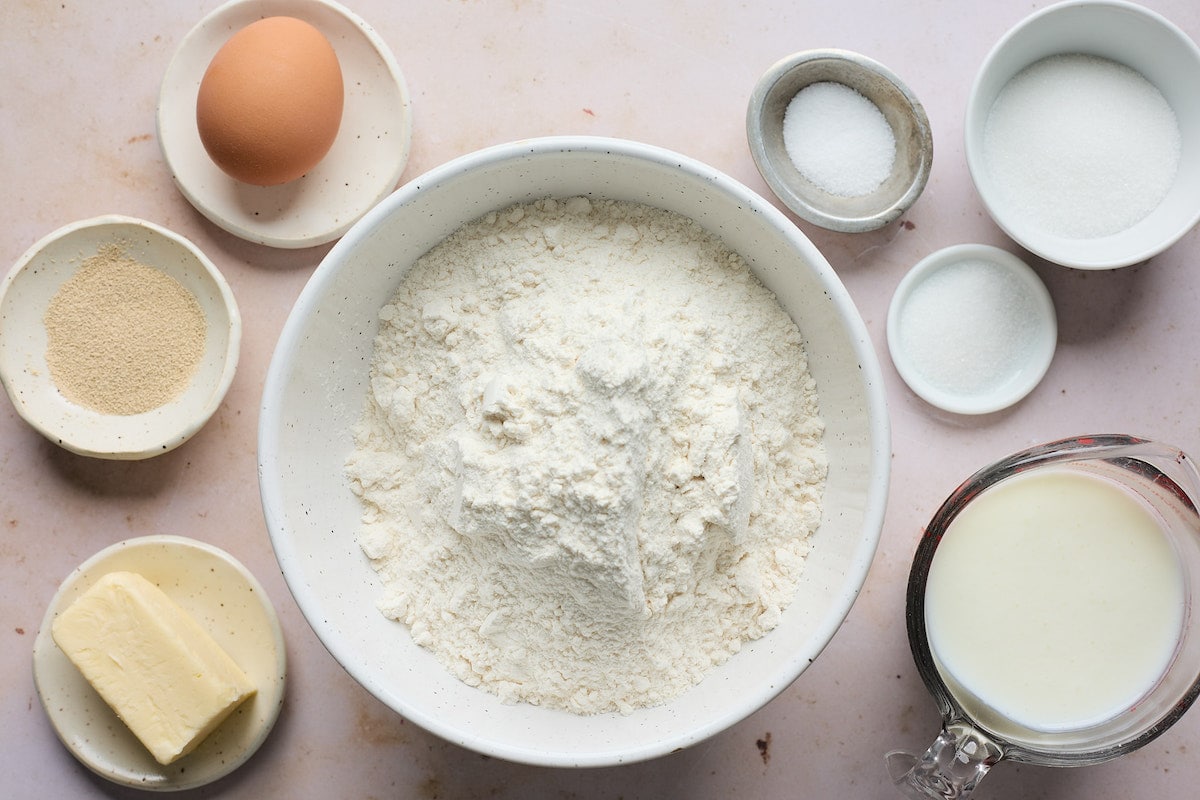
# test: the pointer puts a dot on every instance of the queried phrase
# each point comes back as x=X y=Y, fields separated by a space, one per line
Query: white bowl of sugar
x=118 y=338
x=1082 y=133
x=840 y=139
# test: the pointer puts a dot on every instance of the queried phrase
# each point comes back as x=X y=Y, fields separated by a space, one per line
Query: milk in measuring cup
x=1054 y=602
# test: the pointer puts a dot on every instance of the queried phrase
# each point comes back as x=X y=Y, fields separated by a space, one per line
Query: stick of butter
x=163 y=674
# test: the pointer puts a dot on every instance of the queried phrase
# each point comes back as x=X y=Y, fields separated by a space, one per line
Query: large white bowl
x=317 y=384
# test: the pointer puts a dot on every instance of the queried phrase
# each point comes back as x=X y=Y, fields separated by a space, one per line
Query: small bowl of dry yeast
x=118 y=338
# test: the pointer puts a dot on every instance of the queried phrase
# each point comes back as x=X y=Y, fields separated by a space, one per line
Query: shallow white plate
x=363 y=165
x=229 y=602
x=1029 y=326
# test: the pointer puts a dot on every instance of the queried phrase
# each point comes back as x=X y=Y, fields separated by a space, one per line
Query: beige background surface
x=78 y=85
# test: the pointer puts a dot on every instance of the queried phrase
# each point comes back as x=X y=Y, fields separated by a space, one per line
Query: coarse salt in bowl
x=316 y=388
x=1080 y=163
x=849 y=178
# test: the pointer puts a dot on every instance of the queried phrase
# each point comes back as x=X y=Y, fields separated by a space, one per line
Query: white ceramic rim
x=1011 y=392
x=180 y=144
x=200 y=767
x=1045 y=245
x=195 y=421
x=291 y=559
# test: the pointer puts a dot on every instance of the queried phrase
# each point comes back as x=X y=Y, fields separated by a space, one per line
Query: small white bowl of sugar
x=972 y=329
x=839 y=139
x=1082 y=133
x=118 y=338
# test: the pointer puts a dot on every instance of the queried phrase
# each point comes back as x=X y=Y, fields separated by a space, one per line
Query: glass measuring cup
x=975 y=737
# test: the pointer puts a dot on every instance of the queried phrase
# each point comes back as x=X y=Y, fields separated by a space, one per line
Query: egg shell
x=270 y=103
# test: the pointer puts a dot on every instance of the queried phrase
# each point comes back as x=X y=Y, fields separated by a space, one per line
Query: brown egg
x=270 y=103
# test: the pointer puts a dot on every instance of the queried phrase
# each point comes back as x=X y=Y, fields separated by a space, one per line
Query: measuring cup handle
x=950 y=769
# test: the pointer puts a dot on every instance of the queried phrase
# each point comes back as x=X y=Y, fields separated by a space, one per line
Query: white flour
x=590 y=457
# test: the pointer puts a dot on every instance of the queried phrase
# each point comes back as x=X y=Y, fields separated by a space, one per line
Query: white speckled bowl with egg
x=25 y=294
x=360 y=169
x=316 y=388
x=1128 y=34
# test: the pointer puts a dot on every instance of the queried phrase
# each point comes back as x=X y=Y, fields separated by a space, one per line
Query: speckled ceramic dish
x=363 y=165
x=37 y=277
x=900 y=107
x=222 y=595
x=316 y=388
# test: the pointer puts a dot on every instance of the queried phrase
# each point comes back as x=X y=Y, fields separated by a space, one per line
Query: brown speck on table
x=764 y=747
x=431 y=789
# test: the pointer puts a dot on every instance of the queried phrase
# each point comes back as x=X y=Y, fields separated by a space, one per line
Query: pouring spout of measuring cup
x=950 y=769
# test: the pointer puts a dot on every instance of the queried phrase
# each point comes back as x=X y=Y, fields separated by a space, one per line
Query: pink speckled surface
x=78 y=86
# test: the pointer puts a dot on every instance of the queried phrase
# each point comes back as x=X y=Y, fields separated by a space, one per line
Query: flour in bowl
x=591 y=454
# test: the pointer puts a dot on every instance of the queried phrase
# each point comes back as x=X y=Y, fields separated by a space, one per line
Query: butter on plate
x=156 y=667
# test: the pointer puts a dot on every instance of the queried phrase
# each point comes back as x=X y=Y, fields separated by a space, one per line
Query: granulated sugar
x=1082 y=146
x=838 y=139
x=969 y=326
x=591 y=455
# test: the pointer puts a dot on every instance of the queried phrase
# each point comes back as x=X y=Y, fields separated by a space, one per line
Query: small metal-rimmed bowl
x=903 y=112
x=26 y=293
